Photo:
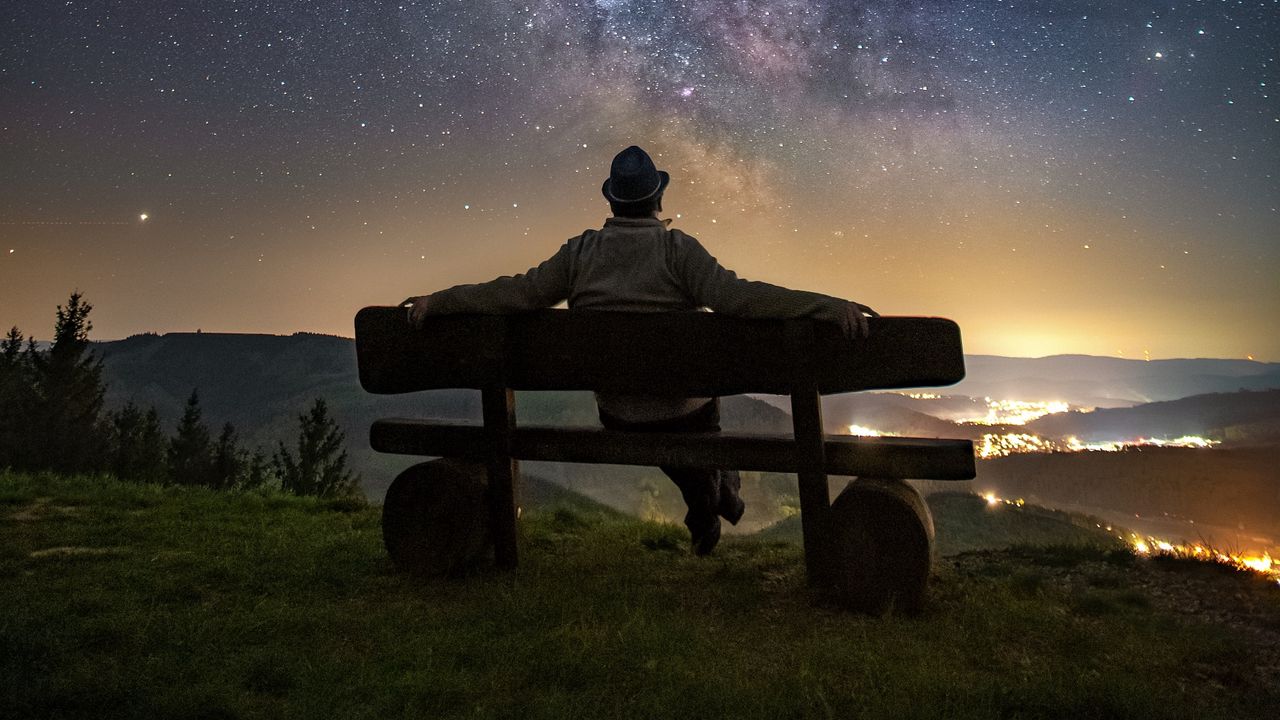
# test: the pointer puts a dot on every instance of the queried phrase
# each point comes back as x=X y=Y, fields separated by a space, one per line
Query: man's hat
x=633 y=177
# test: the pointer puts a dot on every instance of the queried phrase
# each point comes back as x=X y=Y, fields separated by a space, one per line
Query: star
x=783 y=118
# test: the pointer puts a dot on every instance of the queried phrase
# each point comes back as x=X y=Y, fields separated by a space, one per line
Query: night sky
x=1092 y=177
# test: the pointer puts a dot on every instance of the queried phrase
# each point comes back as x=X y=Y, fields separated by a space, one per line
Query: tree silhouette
x=68 y=392
x=229 y=460
x=137 y=445
x=191 y=450
x=320 y=467
x=15 y=399
x=258 y=471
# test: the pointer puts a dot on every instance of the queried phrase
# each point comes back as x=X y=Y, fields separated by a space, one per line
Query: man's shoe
x=731 y=509
x=705 y=542
x=730 y=505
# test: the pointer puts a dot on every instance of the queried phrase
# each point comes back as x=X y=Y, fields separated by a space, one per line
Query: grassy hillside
x=965 y=522
x=1235 y=488
x=139 y=601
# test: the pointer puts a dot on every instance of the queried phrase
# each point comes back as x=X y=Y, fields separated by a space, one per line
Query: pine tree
x=68 y=393
x=153 y=460
x=229 y=460
x=321 y=465
x=191 y=450
x=15 y=399
x=137 y=445
x=258 y=471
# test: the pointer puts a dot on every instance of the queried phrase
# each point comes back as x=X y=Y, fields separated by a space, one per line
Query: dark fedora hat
x=633 y=177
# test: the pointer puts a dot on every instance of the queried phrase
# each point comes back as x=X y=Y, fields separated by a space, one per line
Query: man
x=637 y=263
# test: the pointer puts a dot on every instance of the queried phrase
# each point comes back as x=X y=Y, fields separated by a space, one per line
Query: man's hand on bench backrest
x=416 y=307
x=855 y=325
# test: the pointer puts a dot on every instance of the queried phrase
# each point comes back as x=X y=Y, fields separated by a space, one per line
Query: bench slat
x=896 y=457
x=693 y=354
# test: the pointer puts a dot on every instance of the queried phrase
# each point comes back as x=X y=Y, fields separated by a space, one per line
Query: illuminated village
x=1021 y=412
x=1015 y=413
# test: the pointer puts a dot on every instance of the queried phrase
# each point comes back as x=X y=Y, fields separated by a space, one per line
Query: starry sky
x=1058 y=177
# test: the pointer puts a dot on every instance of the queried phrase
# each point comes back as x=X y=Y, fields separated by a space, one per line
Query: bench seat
x=895 y=457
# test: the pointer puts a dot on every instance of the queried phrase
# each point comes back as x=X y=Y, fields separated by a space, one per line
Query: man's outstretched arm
x=539 y=287
x=721 y=290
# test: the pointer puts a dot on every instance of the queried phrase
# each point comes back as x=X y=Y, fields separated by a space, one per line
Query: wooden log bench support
x=869 y=549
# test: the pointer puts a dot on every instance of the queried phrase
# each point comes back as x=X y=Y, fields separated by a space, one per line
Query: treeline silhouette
x=52 y=418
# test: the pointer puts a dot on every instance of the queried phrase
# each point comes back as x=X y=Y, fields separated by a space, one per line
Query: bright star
x=143 y=217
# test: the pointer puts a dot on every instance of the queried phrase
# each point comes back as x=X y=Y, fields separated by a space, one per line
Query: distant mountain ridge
x=245 y=378
x=260 y=383
x=1084 y=380
x=1093 y=381
x=1250 y=417
x=228 y=369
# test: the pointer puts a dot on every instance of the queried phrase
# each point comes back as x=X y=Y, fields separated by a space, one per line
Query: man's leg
x=708 y=494
x=701 y=492
x=731 y=506
x=725 y=484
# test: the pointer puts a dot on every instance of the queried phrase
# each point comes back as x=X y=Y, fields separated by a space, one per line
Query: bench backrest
x=693 y=354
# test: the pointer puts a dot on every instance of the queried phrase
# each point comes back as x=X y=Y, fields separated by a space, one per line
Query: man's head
x=634 y=187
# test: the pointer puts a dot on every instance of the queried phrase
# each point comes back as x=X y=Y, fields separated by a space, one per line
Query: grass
x=964 y=522
x=124 y=600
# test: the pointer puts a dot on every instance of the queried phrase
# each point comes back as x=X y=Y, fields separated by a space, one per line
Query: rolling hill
x=1093 y=381
x=1237 y=418
x=260 y=383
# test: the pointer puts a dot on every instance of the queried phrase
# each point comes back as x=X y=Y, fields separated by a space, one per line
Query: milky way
x=1058 y=176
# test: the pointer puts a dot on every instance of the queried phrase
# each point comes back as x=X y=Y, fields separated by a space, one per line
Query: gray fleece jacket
x=637 y=265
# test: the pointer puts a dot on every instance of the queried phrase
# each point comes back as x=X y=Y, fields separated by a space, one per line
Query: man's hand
x=856 y=324
x=417 y=309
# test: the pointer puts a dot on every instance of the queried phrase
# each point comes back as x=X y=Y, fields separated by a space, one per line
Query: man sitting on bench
x=636 y=263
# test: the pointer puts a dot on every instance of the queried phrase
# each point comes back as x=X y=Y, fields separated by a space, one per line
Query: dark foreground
x=123 y=600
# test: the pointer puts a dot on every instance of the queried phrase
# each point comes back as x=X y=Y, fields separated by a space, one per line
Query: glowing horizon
x=1065 y=178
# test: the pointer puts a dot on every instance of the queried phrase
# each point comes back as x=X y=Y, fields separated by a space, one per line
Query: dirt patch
x=41 y=509
x=70 y=550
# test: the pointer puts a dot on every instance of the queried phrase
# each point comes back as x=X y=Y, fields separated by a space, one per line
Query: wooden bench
x=871 y=548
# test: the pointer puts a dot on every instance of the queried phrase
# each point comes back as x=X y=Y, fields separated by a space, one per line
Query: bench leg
x=881 y=546
x=435 y=518
x=815 y=498
x=815 y=506
x=499 y=420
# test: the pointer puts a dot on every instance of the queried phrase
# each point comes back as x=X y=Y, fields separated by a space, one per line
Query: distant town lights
x=864 y=431
x=1017 y=412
